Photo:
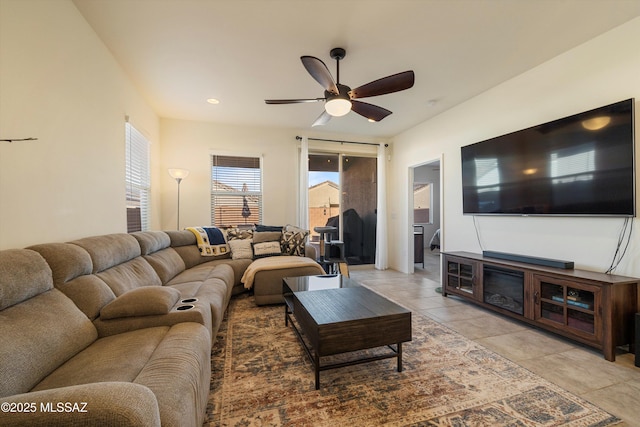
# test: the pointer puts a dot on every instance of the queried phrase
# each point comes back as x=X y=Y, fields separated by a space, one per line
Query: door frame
x=411 y=170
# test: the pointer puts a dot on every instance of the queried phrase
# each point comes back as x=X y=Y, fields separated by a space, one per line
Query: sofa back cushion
x=109 y=250
x=71 y=266
x=23 y=275
x=155 y=248
x=41 y=328
x=118 y=262
x=130 y=275
x=185 y=244
x=152 y=241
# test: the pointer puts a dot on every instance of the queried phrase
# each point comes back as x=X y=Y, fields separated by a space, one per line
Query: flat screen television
x=578 y=165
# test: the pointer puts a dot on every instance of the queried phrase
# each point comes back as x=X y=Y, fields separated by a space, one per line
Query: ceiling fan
x=340 y=99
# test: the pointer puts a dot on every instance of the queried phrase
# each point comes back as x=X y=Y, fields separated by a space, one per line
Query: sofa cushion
x=89 y=293
x=241 y=249
x=266 y=236
x=145 y=301
x=107 y=404
x=20 y=266
x=167 y=263
x=181 y=238
x=179 y=374
x=71 y=266
x=185 y=244
x=109 y=250
x=130 y=275
x=37 y=336
x=118 y=357
x=152 y=241
x=238 y=267
x=67 y=261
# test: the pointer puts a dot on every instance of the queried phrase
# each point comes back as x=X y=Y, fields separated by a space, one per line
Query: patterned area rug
x=262 y=377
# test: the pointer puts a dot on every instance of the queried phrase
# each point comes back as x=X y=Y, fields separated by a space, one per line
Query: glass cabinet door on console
x=461 y=277
x=567 y=305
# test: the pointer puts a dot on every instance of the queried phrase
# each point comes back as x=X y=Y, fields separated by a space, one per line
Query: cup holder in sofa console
x=188 y=300
x=185 y=307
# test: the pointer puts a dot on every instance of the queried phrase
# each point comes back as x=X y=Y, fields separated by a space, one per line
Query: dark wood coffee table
x=345 y=319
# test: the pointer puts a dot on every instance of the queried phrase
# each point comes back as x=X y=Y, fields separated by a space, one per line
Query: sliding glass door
x=342 y=194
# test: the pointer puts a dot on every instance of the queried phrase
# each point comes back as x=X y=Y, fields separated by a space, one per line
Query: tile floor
x=613 y=386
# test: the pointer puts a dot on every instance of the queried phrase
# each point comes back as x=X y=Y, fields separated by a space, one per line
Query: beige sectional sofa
x=267 y=286
x=57 y=369
x=115 y=329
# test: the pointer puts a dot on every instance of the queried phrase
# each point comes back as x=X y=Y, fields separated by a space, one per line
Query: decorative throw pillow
x=241 y=249
x=293 y=240
x=238 y=233
x=261 y=227
x=266 y=249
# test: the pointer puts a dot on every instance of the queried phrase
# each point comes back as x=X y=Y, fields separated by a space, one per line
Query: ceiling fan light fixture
x=338 y=106
x=596 y=123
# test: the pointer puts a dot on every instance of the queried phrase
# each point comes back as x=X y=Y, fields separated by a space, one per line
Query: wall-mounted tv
x=579 y=165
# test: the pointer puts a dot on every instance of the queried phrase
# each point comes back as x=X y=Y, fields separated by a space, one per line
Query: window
x=236 y=190
x=138 y=180
x=422 y=203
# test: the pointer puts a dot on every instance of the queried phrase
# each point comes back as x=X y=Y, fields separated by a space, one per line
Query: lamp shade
x=179 y=173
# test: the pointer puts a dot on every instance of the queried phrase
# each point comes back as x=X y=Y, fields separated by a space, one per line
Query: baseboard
x=547 y=262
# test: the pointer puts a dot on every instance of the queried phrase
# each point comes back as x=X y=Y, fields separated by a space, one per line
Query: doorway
x=425 y=218
x=343 y=194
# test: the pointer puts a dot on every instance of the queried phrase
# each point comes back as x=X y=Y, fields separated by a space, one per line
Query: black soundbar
x=547 y=262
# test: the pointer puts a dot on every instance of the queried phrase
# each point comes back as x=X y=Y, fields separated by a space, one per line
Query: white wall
x=189 y=145
x=599 y=72
x=59 y=83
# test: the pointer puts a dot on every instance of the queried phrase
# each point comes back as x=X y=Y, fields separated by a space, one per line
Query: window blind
x=138 y=180
x=236 y=190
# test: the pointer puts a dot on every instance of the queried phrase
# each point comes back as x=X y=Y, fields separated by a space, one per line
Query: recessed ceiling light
x=213 y=101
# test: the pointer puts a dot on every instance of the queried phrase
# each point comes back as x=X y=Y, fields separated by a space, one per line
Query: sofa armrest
x=310 y=252
x=144 y=301
x=108 y=403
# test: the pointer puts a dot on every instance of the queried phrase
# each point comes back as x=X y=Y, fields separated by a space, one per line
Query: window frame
x=255 y=193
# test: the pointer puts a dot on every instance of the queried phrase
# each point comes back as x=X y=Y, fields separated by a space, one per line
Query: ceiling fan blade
x=322 y=119
x=292 y=101
x=385 y=85
x=320 y=73
x=369 y=111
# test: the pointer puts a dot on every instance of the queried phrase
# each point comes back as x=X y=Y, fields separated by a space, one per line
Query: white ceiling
x=181 y=52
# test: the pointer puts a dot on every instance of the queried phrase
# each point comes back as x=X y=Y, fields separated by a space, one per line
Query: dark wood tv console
x=596 y=309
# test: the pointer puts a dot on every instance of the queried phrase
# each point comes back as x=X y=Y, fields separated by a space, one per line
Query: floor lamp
x=178 y=175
